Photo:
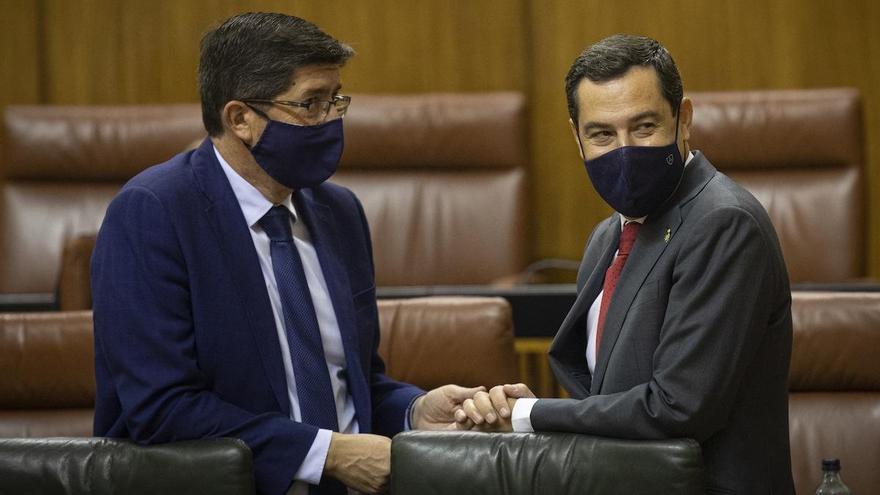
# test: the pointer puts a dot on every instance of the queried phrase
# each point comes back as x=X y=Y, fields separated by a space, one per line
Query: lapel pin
x=667 y=235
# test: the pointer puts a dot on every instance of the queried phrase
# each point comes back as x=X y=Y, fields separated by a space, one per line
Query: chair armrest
x=103 y=466
x=464 y=463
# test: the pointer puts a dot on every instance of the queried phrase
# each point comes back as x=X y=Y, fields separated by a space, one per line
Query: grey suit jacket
x=697 y=339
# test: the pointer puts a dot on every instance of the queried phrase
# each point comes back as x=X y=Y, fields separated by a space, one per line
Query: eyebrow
x=319 y=91
x=604 y=125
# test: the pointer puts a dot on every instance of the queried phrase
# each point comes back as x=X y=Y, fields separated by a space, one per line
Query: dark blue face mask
x=300 y=156
x=637 y=180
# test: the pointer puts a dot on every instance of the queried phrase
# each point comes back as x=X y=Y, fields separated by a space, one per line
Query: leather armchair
x=464 y=463
x=100 y=466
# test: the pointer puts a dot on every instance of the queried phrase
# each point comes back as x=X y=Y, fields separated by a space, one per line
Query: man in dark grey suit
x=682 y=324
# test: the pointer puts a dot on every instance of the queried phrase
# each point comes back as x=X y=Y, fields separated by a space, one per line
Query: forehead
x=315 y=78
x=635 y=92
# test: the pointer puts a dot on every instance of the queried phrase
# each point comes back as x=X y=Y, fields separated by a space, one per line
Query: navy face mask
x=637 y=180
x=300 y=156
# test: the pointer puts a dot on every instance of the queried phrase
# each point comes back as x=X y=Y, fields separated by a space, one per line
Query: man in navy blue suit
x=233 y=287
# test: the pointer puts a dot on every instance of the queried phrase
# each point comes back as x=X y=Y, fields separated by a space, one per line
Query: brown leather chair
x=47 y=360
x=421 y=165
x=801 y=153
x=47 y=374
x=62 y=165
x=834 y=403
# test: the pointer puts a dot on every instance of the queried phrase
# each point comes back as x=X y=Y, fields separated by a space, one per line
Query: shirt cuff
x=521 y=416
x=407 y=418
x=312 y=467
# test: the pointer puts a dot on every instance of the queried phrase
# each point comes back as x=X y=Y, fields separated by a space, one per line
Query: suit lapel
x=233 y=236
x=648 y=248
x=568 y=351
x=327 y=242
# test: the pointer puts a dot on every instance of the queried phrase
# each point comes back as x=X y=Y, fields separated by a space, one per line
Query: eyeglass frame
x=334 y=102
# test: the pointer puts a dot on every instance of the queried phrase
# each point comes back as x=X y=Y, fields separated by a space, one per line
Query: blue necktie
x=313 y=388
x=316 y=404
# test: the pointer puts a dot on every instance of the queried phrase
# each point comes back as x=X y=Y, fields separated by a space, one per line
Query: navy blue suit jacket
x=185 y=339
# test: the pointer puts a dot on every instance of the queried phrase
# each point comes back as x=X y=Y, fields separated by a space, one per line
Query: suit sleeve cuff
x=407 y=418
x=521 y=416
x=312 y=467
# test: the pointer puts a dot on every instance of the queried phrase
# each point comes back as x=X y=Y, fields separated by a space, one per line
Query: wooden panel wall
x=142 y=51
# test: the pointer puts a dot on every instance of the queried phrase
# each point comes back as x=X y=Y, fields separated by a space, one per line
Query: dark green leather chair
x=102 y=466
x=463 y=463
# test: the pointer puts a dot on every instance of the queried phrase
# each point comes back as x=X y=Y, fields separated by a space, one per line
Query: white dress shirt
x=522 y=409
x=254 y=205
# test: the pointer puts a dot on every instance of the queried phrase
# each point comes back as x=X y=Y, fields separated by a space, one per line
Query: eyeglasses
x=312 y=110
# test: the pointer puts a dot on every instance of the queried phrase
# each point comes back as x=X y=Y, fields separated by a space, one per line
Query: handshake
x=363 y=461
x=492 y=410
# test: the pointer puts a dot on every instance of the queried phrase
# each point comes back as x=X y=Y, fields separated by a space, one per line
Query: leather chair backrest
x=47 y=374
x=834 y=403
x=465 y=463
x=47 y=377
x=801 y=153
x=62 y=165
x=103 y=466
x=432 y=341
x=441 y=177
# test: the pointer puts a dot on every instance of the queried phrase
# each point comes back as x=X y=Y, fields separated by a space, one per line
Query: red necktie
x=627 y=239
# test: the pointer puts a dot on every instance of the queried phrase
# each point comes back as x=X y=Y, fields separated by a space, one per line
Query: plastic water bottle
x=831 y=483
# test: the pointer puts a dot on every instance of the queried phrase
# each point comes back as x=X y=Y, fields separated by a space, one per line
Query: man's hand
x=362 y=461
x=437 y=409
x=491 y=411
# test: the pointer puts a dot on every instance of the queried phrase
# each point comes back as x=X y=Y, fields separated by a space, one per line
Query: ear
x=577 y=139
x=240 y=120
x=685 y=119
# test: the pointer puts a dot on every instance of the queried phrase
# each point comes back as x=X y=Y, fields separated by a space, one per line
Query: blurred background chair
x=442 y=178
x=834 y=400
x=47 y=365
x=801 y=153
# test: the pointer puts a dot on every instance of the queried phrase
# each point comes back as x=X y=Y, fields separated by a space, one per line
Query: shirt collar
x=252 y=202
x=624 y=220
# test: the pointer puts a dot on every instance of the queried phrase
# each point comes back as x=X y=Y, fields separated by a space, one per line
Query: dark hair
x=613 y=57
x=254 y=55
